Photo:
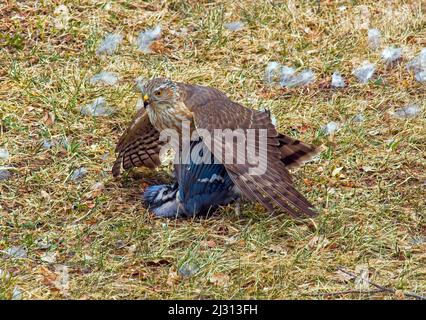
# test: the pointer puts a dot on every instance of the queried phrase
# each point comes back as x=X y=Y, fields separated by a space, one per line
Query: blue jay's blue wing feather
x=203 y=184
x=201 y=187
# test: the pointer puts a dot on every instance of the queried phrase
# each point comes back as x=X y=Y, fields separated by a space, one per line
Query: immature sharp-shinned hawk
x=167 y=104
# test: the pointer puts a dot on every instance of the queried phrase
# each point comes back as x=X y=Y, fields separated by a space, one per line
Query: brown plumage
x=208 y=108
x=138 y=146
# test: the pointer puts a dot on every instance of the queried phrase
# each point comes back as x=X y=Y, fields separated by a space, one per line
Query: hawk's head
x=162 y=102
x=157 y=92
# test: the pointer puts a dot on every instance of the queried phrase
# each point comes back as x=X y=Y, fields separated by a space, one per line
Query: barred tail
x=294 y=153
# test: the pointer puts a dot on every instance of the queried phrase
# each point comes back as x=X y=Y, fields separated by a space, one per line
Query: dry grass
x=114 y=248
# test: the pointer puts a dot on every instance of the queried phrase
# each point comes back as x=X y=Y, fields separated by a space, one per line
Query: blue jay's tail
x=162 y=200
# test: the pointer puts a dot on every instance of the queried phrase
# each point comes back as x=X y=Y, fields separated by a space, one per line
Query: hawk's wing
x=138 y=146
x=213 y=110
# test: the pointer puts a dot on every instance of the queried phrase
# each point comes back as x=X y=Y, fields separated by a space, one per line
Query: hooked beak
x=145 y=101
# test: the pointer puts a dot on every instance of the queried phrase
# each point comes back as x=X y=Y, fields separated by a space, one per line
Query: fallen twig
x=379 y=289
x=408 y=294
x=338 y=293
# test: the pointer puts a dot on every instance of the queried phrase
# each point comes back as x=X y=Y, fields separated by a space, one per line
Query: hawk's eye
x=158 y=93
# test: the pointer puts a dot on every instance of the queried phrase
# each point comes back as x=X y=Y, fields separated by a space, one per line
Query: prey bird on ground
x=167 y=105
x=200 y=188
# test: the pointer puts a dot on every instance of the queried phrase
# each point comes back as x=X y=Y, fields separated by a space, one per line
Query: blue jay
x=201 y=187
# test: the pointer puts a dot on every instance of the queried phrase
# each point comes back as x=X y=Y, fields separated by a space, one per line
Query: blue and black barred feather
x=202 y=186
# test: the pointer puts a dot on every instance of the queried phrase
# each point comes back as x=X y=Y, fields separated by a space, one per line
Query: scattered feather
x=418 y=240
x=107 y=6
x=65 y=143
x=418 y=63
x=16 y=252
x=139 y=104
x=234 y=26
x=188 y=269
x=287 y=74
x=98 y=108
x=304 y=78
x=331 y=127
x=140 y=83
x=291 y=79
x=364 y=72
x=368 y=169
x=4 y=275
x=146 y=37
x=4 y=174
x=374 y=38
x=337 y=80
x=48 y=144
x=17 y=294
x=418 y=66
x=49 y=257
x=105 y=156
x=410 y=111
x=272 y=72
x=336 y=171
x=104 y=77
x=78 y=174
x=43 y=244
x=4 y=154
x=62 y=282
x=391 y=55
x=358 y=118
x=362 y=17
x=362 y=279
x=420 y=76
x=62 y=17
x=95 y=190
x=132 y=248
x=110 y=44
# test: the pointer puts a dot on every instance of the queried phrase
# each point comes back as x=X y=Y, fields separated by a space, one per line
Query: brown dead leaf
x=49 y=118
x=267 y=94
x=318 y=242
x=399 y=295
x=336 y=171
x=159 y=47
x=278 y=249
x=362 y=279
x=219 y=279
x=308 y=182
x=45 y=195
x=172 y=278
x=208 y=244
x=95 y=191
x=137 y=273
x=301 y=128
x=343 y=276
x=49 y=277
x=57 y=280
